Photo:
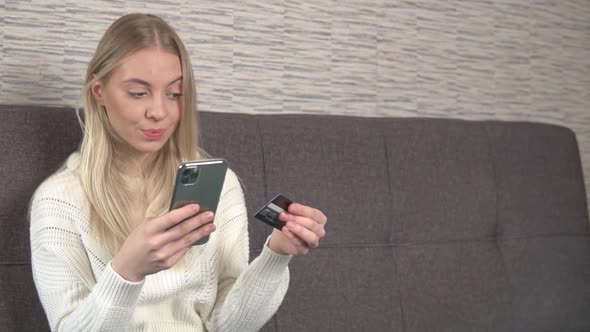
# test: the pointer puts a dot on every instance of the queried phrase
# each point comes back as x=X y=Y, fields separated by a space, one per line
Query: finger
x=295 y=239
x=310 y=238
x=308 y=211
x=190 y=238
x=168 y=263
x=180 y=230
x=305 y=222
x=174 y=217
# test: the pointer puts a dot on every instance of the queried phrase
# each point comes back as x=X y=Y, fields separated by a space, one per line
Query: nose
x=157 y=110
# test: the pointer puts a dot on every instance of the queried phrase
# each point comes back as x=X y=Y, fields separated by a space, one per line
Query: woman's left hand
x=304 y=228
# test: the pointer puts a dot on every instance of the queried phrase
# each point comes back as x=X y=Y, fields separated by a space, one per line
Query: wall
x=499 y=59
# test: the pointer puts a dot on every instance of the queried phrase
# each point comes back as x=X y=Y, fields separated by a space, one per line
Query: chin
x=150 y=148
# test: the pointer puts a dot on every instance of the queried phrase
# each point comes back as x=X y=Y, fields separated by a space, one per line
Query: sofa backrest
x=445 y=225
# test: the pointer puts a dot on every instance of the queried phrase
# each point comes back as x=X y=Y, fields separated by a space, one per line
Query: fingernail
x=195 y=207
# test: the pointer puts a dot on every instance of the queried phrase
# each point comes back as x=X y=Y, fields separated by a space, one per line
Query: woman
x=106 y=253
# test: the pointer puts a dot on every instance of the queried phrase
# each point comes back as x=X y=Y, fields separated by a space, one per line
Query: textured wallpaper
x=493 y=59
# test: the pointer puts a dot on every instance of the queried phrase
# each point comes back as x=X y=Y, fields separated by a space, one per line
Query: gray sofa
x=434 y=225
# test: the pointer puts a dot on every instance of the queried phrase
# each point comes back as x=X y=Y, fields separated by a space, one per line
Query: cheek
x=123 y=110
x=176 y=114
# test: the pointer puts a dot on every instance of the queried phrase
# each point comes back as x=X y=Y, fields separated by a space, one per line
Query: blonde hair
x=117 y=202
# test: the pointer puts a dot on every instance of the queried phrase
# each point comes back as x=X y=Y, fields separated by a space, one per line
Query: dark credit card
x=269 y=213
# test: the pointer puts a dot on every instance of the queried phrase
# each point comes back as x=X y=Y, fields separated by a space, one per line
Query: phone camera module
x=189 y=176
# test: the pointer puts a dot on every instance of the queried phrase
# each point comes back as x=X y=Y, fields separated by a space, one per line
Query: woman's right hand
x=158 y=243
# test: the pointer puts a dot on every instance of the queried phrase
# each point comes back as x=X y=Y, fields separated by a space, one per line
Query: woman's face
x=143 y=98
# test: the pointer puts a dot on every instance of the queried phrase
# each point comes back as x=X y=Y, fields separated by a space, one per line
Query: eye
x=174 y=96
x=137 y=94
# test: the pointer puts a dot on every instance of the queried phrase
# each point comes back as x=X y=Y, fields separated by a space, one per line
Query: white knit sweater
x=215 y=290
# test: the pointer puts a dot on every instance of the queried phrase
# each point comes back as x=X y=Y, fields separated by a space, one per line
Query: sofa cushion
x=434 y=224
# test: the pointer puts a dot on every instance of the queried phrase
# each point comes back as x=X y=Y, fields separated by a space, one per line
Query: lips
x=153 y=133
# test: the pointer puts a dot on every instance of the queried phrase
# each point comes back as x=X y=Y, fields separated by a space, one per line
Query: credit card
x=269 y=213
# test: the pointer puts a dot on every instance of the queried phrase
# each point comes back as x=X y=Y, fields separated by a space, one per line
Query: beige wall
x=499 y=59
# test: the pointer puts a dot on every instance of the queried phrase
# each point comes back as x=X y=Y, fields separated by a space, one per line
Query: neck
x=131 y=163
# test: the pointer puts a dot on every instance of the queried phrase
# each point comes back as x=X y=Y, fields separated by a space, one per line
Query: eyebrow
x=146 y=83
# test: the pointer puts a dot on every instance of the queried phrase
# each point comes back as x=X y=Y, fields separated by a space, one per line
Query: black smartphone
x=199 y=182
x=269 y=213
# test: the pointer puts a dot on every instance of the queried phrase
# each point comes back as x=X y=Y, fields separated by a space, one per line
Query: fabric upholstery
x=434 y=224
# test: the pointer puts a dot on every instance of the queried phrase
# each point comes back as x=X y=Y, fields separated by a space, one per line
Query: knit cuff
x=271 y=262
x=112 y=290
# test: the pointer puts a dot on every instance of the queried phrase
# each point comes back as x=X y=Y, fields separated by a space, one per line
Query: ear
x=97 y=91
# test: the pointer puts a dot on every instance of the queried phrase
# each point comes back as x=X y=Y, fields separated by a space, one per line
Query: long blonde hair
x=117 y=202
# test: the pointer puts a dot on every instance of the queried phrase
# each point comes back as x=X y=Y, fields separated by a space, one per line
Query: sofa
x=434 y=224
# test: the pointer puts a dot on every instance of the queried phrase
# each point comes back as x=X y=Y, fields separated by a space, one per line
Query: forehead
x=150 y=64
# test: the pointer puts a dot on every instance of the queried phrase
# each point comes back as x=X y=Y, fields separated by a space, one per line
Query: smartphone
x=199 y=182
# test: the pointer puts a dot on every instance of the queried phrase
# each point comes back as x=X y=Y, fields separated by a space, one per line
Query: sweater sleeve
x=71 y=298
x=248 y=295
